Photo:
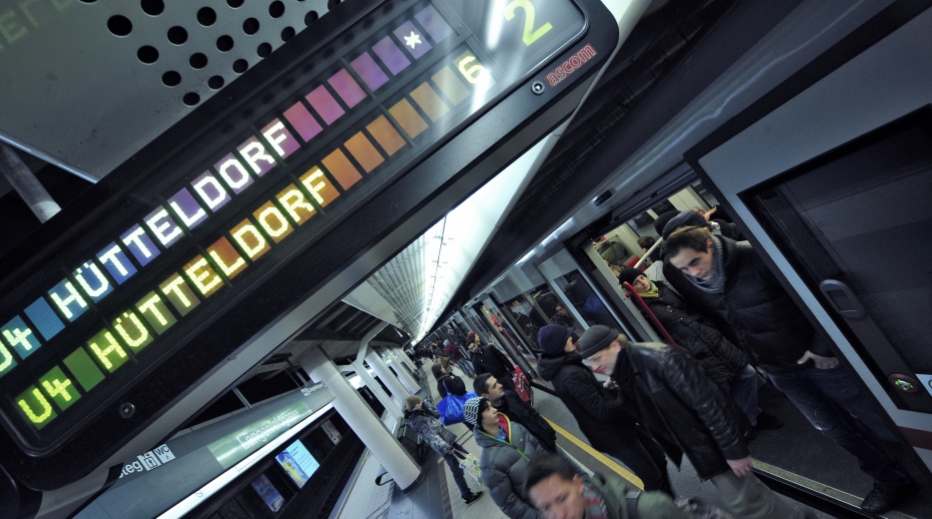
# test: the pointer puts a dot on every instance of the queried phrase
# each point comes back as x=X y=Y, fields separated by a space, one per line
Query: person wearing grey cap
x=600 y=413
x=688 y=415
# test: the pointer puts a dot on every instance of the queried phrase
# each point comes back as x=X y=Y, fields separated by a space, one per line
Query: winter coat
x=503 y=467
x=452 y=383
x=653 y=505
x=697 y=335
x=600 y=413
x=426 y=421
x=683 y=410
x=523 y=413
x=613 y=252
x=762 y=316
x=490 y=360
x=453 y=353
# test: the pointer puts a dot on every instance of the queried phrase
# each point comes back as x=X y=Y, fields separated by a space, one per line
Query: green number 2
x=530 y=34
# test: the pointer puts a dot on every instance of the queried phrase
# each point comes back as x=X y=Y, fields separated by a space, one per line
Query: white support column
x=377 y=390
x=361 y=419
x=403 y=374
x=387 y=377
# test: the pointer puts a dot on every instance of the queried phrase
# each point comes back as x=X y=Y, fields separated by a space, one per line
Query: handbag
x=451 y=408
x=522 y=385
x=470 y=465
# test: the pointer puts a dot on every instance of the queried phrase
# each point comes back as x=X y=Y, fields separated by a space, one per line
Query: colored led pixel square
x=93 y=281
x=273 y=222
x=451 y=85
x=433 y=23
x=69 y=301
x=132 y=331
x=257 y=156
x=140 y=245
x=109 y=353
x=182 y=296
x=324 y=104
x=44 y=319
x=204 y=278
x=280 y=139
x=369 y=71
x=7 y=361
x=391 y=55
x=165 y=229
x=296 y=205
x=20 y=337
x=233 y=173
x=210 y=191
x=472 y=70
x=342 y=169
x=59 y=387
x=83 y=369
x=35 y=407
x=250 y=240
x=226 y=258
x=428 y=100
x=116 y=262
x=154 y=310
x=408 y=118
x=347 y=88
x=303 y=122
x=319 y=186
x=386 y=135
x=364 y=152
x=412 y=39
x=188 y=210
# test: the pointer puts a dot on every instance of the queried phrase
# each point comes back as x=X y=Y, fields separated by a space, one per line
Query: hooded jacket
x=600 y=413
x=523 y=413
x=761 y=315
x=684 y=411
x=692 y=332
x=503 y=468
x=426 y=421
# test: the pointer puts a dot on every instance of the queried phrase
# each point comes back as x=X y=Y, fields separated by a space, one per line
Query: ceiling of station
x=88 y=83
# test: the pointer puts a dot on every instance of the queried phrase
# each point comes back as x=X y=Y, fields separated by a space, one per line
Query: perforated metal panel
x=87 y=83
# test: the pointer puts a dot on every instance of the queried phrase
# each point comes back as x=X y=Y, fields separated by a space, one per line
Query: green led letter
x=58 y=386
x=131 y=329
x=36 y=408
x=107 y=350
x=7 y=362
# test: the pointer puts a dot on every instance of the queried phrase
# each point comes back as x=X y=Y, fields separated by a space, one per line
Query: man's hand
x=741 y=467
x=820 y=361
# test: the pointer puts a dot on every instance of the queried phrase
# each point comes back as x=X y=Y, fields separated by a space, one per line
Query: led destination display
x=415 y=78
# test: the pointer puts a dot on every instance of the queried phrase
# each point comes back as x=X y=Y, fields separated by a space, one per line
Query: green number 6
x=530 y=33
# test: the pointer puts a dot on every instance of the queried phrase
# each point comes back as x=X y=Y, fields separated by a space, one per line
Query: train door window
x=554 y=310
x=857 y=223
x=585 y=300
x=503 y=327
x=527 y=315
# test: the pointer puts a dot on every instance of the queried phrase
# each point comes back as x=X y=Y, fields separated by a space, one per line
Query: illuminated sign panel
x=417 y=75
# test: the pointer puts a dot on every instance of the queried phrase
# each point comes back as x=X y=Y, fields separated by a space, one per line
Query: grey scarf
x=715 y=284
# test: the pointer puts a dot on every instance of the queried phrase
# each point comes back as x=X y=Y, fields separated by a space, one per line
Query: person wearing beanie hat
x=671 y=396
x=510 y=404
x=599 y=412
x=507 y=447
x=425 y=419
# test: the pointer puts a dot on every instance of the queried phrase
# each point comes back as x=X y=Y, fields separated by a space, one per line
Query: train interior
x=803 y=126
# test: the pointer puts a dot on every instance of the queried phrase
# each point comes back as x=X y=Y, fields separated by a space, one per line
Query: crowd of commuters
x=728 y=321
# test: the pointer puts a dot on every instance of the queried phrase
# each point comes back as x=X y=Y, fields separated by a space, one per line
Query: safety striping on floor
x=598 y=456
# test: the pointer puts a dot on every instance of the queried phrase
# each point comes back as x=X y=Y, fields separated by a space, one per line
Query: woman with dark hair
x=507 y=447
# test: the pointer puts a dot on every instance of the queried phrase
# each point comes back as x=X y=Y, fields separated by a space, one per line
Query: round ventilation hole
x=240 y=66
x=152 y=7
x=310 y=17
x=215 y=82
x=147 y=54
x=287 y=33
x=87 y=1
x=191 y=99
x=264 y=50
x=120 y=25
x=224 y=43
x=251 y=26
x=206 y=16
x=198 y=60
x=235 y=4
x=177 y=35
x=171 y=78
x=276 y=9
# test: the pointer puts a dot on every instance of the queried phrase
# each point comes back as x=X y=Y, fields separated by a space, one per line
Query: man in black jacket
x=730 y=278
x=601 y=415
x=517 y=410
x=487 y=359
x=670 y=395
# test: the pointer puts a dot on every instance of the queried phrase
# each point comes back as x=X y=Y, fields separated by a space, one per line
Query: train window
x=585 y=300
x=529 y=317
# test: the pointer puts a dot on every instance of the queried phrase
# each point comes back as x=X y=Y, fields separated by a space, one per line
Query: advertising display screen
x=298 y=463
x=208 y=224
x=268 y=493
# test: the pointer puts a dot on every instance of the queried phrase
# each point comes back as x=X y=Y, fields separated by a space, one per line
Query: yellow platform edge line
x=608 y=462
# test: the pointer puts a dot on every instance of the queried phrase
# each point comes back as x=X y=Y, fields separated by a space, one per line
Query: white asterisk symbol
x=412 y=39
